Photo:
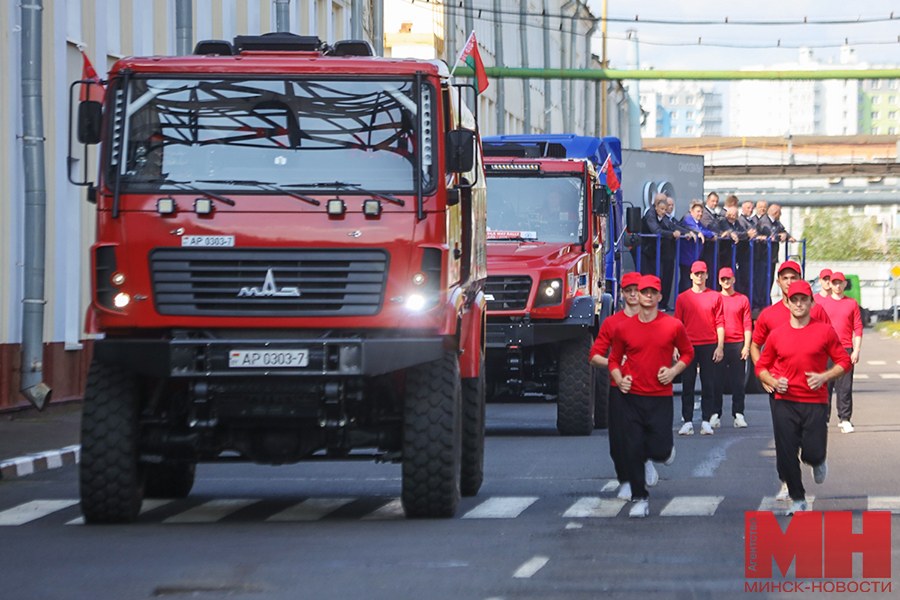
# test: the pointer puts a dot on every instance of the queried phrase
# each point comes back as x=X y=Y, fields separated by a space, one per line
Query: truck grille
x=509 y=293
x=268 y=282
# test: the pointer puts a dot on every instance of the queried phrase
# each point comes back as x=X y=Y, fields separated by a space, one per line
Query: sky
x=696 y=57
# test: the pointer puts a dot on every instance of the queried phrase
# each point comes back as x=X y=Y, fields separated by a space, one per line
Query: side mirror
x=601 y=201
x=633 y=221
x=460 y=148
x=90 y=116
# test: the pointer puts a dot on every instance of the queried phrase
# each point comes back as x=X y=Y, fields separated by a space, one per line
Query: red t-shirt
x=777 y=315
x=648 y=347
x=702 y=314
x=604 y=338
x=793 y=352
x=737 y=317
x=845 y=318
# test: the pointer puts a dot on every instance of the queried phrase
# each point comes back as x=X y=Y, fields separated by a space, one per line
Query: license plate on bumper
x=268 y=359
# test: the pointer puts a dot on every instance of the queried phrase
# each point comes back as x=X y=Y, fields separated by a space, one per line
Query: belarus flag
x=612 y=182
x=472 y=58
x=96 y=91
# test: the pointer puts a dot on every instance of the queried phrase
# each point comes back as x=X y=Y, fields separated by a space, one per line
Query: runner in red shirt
x=825 y=282
x=616 y=425
x=700 y=309
x=794 y=363
x=738 y=328
x=847 y=321
x=649 y=341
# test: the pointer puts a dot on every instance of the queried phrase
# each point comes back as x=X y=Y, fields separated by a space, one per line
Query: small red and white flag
x=612 y=182
x=472 y=58
x=96 y=91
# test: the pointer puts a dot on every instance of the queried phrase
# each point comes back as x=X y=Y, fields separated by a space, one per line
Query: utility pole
x=282 y=15
x=587 y=85
x=548 y=89
x=564 y=64
x=33 y=386
x=378 y=26
x=526 y=86
x=603 y=66
x=470 y=27
x=498 y=56
x=184 y=25
x=356 y=19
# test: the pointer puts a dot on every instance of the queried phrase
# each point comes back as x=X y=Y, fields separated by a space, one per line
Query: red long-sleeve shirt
x=737 y=317
x=648 y=347
x=793 y=352
x=845 y=318
x=777 y=315
x=702 y=314
x=604 y=338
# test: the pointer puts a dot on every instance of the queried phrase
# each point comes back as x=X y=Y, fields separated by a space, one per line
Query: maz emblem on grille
x=269 y=288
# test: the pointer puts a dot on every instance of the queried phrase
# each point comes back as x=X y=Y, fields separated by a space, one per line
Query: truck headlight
x=549 y=293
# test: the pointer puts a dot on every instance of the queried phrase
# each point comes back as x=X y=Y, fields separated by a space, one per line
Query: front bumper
x=532 y=333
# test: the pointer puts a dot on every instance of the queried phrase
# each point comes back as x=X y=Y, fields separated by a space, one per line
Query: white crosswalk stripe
x=860 y=376
x=310 y=510
x=146 y=506
x=780 y=507
x=891 y=503
x=610 y=486
x=890 y=375
x=508 y=507
x=692 y=506
x=594 y=507
x=31 y=511
x=876 y=362
x=210 y=512
x=391 y=511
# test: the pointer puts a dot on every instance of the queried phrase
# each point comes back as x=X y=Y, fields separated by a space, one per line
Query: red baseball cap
x=838 y=276
x=789 y=264
x=825 y=273
x=725 y=272
x=630 y=279
x=650 y=281
x=698 y=267
x=799 y=287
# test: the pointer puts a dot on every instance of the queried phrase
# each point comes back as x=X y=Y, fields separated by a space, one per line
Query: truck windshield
x=287 y=132
x=548 y=209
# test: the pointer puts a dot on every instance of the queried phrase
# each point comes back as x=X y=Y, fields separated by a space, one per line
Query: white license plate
x=208 y=241
x=268 y=358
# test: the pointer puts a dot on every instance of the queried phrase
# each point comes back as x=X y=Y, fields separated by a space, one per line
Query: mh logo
x=822 y=544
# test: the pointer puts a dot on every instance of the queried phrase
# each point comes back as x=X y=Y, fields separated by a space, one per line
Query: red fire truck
x=548 y=288
x=289 y=266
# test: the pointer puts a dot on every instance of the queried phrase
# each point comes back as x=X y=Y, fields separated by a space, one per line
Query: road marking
x=594 y=507
x=500 y=508
x=573 y=525
x=891 y=503
x=212 y=511
x=531 y=567
x=890 y=375
x=715 y=457
x=876 y=362
x=610 y=486
x=312 y=509
x=691 y=506
x=146 y=506
x=389 y=512
x=31 y=511
x=780 y=507
x=860 y=376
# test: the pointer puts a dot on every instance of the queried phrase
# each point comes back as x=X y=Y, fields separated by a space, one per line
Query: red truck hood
x=506 y=256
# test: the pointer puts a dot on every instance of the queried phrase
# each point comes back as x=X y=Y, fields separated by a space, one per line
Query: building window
x=876 y=99
x=876 y=84
x=892 y=131
x=892 y=115
x=845 y=114
x=876 y=115
x=689 y=129
x=674 y=115
x=673 y=100
x=876 y=131
x=892 y=99
x=894 y=84
x=688 y=99
x=689 y=114
x=674 y=129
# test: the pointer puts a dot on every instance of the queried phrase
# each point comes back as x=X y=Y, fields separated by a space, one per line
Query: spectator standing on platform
x=649 y=341
x=747 y=221
x=656 y=222
x=770 y=232
x=616 y=424
x=701 y=310
x=730 y=201
x=730 y=234
x=773 y=317
x=710 y=212
x=691 y=250
x=794 y=363
x=847 y=322
x=733 y=368
x=825 y=282
x=762 y=207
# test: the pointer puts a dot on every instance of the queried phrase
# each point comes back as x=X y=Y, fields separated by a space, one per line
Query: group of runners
x=803 y=347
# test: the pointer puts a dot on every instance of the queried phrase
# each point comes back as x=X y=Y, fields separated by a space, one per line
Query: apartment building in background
x=680 y=109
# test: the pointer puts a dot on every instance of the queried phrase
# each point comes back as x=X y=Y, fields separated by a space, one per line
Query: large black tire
x=432 y=439
x=111 y=478
x=169 y=480
x=473 y=401
x=601 y=398
x=575 y=401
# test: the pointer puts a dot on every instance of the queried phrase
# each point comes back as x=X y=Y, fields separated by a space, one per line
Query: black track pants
x=648 y=431
x=799 y=426
x=703 y=359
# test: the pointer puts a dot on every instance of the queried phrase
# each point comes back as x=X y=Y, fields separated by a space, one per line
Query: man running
x=847 y=321
x=794 y=363
x=649 y=340
x=769 y=319
x=700 y=309
x=825 y=282
x=616 y=425
x=738 y=329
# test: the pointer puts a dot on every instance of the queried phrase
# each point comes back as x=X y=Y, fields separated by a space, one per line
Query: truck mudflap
x=192 y=358
x=532 y=333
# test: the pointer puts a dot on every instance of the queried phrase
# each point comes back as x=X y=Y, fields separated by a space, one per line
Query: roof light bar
x=515 y=167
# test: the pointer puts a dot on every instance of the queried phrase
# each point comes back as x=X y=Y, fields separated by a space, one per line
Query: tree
x=833 y=235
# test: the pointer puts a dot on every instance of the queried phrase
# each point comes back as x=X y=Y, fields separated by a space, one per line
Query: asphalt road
x=545 y=524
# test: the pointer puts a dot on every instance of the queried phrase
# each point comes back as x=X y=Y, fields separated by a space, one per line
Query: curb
x=42 y=461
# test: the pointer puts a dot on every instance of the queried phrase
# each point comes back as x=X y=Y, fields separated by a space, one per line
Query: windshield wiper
x=515 y=238
x=188 y=186
x=263 y=185
x=355 y=186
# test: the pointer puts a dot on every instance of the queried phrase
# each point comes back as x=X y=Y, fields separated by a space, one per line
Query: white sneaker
x=640 y=509
x=624 y=492
x=739 y=420
x=686 y=429
x=820 y=472
x=783 y=494
x=651 y=477
x=715 y=421
x=797 y=506
x=671 y=458
x=846 y=427
x=706 y=428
